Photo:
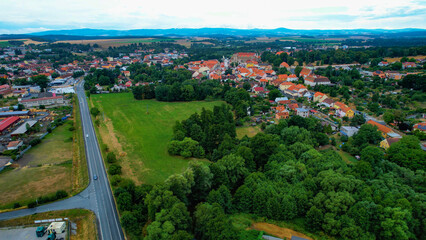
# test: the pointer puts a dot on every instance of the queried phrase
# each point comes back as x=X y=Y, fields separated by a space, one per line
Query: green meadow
x=139 y=131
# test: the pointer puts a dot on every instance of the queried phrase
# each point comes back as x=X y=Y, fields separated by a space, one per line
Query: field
x=56 y=148
x=249 y=131
x=141 y=138
x=27 y=183
x=316 y=41
x=57 y=163
x=281 y=229
x=105 y=43
x=5 y=43
x=85 y=220
x=397 y=59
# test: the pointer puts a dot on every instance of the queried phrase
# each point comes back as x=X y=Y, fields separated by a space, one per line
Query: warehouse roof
x=7 y=122
x=23 y=128
x=14 y=113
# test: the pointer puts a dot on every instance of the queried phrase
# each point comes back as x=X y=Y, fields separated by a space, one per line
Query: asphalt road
x=98 y=195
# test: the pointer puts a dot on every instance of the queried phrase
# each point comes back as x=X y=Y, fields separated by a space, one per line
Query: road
x=98 y=195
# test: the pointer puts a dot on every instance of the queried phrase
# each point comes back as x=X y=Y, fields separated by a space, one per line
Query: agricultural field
x=57 y=163
x=315 y=41
x=85 y=220
x=139 y=132
x=105 y=43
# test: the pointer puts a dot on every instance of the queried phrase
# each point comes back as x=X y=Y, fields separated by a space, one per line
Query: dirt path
x=277 y=231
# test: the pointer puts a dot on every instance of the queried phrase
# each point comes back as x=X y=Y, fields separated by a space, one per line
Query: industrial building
x=14 y=113
x=23 y=128
x=8 y=122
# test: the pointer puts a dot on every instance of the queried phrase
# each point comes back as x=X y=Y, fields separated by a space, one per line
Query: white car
x=87 y=135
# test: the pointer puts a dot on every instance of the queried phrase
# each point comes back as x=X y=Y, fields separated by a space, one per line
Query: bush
x=115 y=180
x=32 y=204
x=71 y=128
x=16 y=205
x=111 y=157
x=114 y=169
x=61 y=194
x=94 y=111
x=35 y=142
x=49 y=130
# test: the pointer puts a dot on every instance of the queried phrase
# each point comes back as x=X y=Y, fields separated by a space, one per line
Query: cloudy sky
x=24 y=16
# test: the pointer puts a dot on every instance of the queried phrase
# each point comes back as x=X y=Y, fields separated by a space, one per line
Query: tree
x=407 y=153
x=221 y=196
x=211 y=223
x=263 y=146
x=94 y=111
x=274 y=94
x=40 y=80
x=232 y=170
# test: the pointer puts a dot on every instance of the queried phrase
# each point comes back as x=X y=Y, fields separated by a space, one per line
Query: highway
x=98 y=195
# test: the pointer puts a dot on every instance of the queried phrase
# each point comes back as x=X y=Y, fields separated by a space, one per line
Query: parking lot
x=28 y=233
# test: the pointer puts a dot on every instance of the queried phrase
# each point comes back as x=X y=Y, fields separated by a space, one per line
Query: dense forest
x=279 y=174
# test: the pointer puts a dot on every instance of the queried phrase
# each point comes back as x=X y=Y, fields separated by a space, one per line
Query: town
x=288 y=100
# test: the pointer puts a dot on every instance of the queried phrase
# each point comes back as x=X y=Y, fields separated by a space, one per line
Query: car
x=95 y=177
x=87 y=135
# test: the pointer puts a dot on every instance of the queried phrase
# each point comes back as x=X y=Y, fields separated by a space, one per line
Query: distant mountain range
x=203 y=32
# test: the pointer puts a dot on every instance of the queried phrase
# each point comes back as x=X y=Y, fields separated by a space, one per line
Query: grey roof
x=298 y=238
x=23 y=128
x=14 y=113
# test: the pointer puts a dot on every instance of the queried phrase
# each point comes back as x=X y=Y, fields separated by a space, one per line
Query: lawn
x=140 y=138
x=248 y=130
x=85 y=220
x=55 y=148
x=25 y=184
x=346 y=157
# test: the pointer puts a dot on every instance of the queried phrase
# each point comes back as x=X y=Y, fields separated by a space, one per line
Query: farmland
x=139 y=138
x=105 y=43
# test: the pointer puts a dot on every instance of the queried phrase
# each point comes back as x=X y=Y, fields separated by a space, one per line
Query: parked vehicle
x=40 y=231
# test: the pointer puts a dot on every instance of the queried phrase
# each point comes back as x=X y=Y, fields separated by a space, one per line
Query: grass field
x=310 y=40
x=117 y=42
x=149 y=40
x=85 y=220
x=346 y=157
x=56 y=148
x=141 y=139
x=281 y=229
x=25 y=184
x=248 y=130
x=57 y=163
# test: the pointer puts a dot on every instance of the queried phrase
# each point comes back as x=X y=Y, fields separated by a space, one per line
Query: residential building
x=303 y=112
x=382 y=128
x=386 y=143
x=14 y=145
x=348 y=131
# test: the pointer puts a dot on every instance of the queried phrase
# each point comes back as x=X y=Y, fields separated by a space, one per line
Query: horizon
x=28 y=16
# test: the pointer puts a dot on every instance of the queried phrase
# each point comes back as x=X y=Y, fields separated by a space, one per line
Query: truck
x=40 y=231
x=52 y=236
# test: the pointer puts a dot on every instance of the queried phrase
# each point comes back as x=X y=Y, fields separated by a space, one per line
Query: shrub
x=71 y=128
x=111 y=157
x=16 y=205
x=32 y=204
x=114 y=169
x=61 y=194
x=115 y=180
x=35 y=142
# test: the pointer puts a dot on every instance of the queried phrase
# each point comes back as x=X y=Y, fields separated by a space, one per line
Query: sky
x=26 y=16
